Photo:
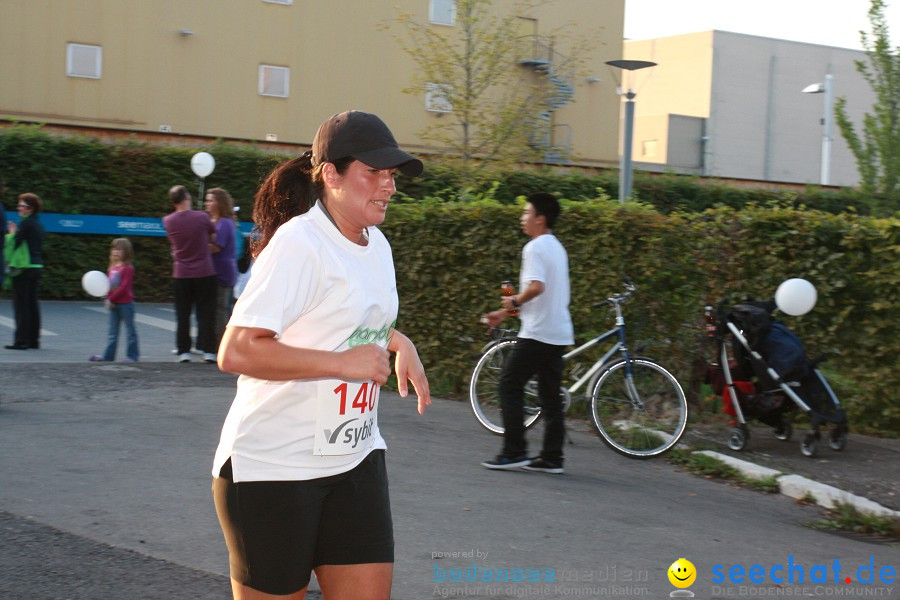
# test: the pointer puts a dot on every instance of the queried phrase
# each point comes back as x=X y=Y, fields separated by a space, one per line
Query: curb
x=799 y=487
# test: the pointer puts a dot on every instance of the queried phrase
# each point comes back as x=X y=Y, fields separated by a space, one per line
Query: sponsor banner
x=105 y=224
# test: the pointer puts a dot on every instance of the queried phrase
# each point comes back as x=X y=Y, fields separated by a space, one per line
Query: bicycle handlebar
x=497 y=332
x=619 y=297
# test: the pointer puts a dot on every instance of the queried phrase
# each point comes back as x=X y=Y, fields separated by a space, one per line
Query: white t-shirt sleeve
x=282 y=284
x=533 y=266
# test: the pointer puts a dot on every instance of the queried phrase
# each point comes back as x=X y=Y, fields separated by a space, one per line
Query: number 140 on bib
x=365 y=396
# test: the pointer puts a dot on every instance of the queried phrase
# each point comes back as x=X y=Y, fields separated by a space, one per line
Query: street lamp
x=625 y=167
x=826 y=88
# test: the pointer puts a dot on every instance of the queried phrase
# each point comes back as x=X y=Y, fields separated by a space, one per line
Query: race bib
x=347 y=416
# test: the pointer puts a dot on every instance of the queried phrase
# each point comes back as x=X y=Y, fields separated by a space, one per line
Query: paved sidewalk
x=867 y=468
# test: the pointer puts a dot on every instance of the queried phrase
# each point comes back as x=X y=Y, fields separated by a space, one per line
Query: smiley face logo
x=682 y=573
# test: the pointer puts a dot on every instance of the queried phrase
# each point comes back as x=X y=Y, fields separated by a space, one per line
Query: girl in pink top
x=120 y=301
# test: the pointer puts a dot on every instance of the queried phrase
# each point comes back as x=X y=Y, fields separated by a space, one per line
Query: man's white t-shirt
x=315 y=289
x=546 y=318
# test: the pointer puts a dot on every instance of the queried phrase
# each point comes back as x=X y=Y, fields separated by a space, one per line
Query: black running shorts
x=277 y=532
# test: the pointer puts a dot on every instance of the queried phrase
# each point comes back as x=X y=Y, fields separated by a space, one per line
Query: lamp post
x=626 y=89
x=827 y=88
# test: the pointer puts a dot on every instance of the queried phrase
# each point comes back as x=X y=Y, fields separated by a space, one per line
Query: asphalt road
x=73 y=331
x=104 y=493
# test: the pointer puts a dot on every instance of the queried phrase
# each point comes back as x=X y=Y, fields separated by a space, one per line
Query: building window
x=648 y=148
x=436 y=98
x=84 y=61
x=274 y=81
x=442 y=12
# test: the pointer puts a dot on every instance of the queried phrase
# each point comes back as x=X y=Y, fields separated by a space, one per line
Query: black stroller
x=769 y=377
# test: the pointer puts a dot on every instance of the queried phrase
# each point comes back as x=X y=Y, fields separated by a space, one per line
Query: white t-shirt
x=314 y=289
x=546 y=318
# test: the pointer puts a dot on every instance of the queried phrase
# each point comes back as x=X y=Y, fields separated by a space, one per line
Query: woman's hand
x=366 y=362
x=409 y=369
x=11 y=227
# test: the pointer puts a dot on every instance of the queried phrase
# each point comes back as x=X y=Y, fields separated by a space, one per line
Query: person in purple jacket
x=220 y=207
x=190 y=233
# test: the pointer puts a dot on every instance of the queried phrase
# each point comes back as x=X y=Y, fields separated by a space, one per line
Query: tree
x=877 y=150
x=494 y=110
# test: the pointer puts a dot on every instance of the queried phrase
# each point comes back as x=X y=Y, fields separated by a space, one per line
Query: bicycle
x=637 y=406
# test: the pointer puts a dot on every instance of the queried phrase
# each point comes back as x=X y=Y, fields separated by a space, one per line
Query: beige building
x=265 y=70
x=731 y=105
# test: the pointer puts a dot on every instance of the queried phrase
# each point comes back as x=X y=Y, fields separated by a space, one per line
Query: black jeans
x=25 y=305
x=199 y=292
x=527 y=359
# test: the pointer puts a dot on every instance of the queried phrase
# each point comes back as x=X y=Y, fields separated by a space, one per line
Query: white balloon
x=202 y=164
x=95 y=283
x=795 y=297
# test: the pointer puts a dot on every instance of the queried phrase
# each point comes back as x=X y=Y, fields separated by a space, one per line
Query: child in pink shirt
x=120 y=301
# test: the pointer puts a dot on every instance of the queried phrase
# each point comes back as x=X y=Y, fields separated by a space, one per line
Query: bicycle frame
x=619 y=346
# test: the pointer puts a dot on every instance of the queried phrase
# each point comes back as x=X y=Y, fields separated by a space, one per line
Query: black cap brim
x=390 y=158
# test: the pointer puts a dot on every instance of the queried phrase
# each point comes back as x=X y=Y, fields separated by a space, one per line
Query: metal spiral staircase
x=554 y=140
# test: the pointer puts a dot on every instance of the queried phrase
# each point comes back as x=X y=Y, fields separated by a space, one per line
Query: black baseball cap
x=364 y=137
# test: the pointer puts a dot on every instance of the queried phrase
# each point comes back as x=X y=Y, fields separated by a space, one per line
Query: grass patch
x=713 y=468
x=807 y=498
x=845 y=517
x=703 y=465
x=678 y=456
x=766 y=485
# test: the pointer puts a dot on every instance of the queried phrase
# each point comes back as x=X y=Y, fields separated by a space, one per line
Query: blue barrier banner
x=104 y=224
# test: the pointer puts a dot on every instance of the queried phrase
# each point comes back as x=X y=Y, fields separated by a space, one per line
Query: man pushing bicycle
x=543 y=305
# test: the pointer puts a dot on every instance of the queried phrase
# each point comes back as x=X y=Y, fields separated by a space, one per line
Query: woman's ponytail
x=287 y=191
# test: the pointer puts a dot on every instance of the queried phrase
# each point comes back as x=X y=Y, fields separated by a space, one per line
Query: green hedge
x=84 y=176
x=451 y=258
x=81 y=175
x=452 y=255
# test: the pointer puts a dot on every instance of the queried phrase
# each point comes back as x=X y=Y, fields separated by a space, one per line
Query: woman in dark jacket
x=25 y=278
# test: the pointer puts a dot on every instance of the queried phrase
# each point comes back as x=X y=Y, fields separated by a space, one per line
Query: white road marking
x=7 y=322
x=146 y=320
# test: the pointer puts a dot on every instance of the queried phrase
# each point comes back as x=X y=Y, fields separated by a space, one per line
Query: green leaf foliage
x=877 y=146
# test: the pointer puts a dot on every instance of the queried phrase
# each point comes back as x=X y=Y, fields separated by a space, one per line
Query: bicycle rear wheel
x=484 y=389
x=639 y=408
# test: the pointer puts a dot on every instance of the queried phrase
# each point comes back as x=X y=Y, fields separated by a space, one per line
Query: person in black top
x=25 y=278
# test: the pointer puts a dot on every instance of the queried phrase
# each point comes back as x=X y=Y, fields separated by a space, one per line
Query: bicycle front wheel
x=484 y=389
x=639 y=408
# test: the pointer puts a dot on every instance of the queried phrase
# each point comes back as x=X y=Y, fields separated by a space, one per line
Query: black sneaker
x=544 y=466
x=507 y=463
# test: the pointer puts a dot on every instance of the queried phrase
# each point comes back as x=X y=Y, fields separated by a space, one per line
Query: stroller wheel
x=737 y=438
x=837 y=439
x=810 y=444
x=784 y=431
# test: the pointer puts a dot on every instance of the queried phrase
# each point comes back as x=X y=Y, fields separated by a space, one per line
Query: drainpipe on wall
x=770 y=118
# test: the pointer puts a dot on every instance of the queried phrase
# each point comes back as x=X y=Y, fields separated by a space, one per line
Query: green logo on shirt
x=366 y=335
